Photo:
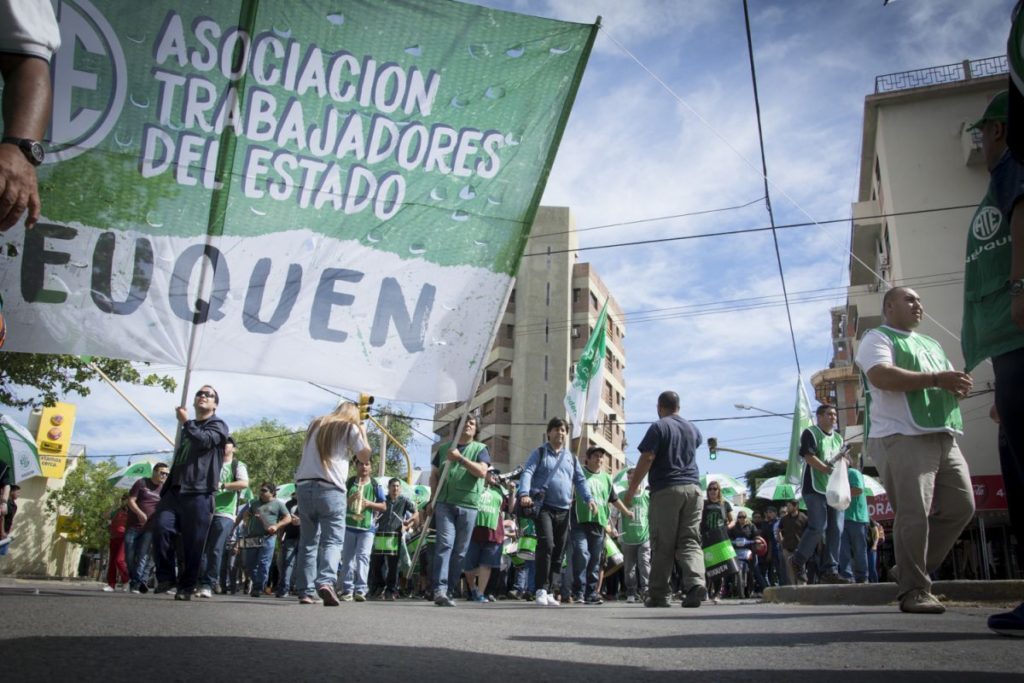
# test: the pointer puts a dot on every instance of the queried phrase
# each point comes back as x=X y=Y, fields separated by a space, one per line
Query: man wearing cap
x=912 y=394
x=993 y=324
x=186 y=501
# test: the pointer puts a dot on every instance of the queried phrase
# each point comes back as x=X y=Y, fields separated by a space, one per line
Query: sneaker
x=256 y=594
x=479 y=598
x=540 y=598
x=345 y=597
x=1008 y=623
x=143 y=588
x=124 y=587
x=921 y=602
x=389 y=597
x=163 y=587
x=652 y=602
x=695 y=596
x=552 y=601
x=834 y=578
x=108 y=589
x=491 y=598
x=513 y=595
x=631 y=600
x=136 y=591
x=183 y=595
x=206 y=592
x=593 y=600
x=306 y=600
x=327 y=594
x=359 y=597
x=442 y=600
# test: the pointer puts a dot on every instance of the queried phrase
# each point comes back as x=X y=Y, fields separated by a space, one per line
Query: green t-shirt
x=489 y=513
x=600 y=485
x=858 y=510
x=637 y=531
x=225 y=503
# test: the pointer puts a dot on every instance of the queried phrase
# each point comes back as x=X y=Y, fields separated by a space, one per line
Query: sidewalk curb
x=885 y=593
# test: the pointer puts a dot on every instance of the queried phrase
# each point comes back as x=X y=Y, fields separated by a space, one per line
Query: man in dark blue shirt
x=668 y=453
x=186 y=501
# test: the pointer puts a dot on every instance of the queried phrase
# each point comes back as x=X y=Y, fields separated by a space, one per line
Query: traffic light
x=713 y=447
x=365 y=401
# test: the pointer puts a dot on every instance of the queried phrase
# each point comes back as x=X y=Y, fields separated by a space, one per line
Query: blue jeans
x=286 y=565
x=321 y=534
x=209 y=570
x=872 y=566
x=854 y=551
x=454 y=528
x=524 y=577
x=355 y=563
x=136 y=555
x=822 y=520
x=257 y=563
x=587 y=545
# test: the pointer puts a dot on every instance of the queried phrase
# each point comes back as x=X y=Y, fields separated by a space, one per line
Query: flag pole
x=442 y=457
x=95 y=368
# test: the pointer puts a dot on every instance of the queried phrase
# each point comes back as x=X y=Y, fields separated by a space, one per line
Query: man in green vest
x=588 y=527
x=820 y=445
x=457 y=503
x=993 y=325
x=912 y=394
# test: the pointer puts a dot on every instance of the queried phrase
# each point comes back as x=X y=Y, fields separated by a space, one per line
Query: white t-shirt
x=29 y=27
x=890 y=413
x=310 y=466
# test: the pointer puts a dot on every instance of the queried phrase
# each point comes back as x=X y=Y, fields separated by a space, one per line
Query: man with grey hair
x=912 y=394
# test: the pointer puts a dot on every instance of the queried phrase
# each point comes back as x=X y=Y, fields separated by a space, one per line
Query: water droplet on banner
x=152 y=221
x=460 y=216
x=494 y=201
x=141 y=105
x=285 y=33
x=479 y=51
x=439 y=194
x=495 y=92
x=559 y=50
x=123 y=143
x=459 y=103
x=258 y=212
x=137 y=41
x=372 y=238
x=337 y=19
x=515 y=52
x=414 y=50
x=467 y=193
x=417 y=249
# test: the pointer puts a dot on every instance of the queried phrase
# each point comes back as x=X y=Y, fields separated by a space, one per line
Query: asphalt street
x=59 y=631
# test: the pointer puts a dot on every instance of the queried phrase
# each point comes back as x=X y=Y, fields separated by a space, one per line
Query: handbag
x=837 y=492
x=537 y=495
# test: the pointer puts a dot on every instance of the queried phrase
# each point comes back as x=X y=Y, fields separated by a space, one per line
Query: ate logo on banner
x=90 y=81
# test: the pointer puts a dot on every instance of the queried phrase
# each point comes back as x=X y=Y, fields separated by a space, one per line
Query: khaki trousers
x=929 y=486
x=674 y=518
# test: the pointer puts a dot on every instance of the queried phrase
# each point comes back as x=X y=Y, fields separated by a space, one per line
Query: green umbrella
x=737 y=509
x=421 y=496
x=18 y=450
x=731 y=487
x=872 y=487
x=407 y=490
x=285 y=491
x=126 y=477
x=776 y=488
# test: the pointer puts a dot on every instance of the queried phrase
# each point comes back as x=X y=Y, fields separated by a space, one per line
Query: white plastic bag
x=837 y=493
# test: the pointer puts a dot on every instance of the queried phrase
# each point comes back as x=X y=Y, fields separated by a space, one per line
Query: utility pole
x=383 y=444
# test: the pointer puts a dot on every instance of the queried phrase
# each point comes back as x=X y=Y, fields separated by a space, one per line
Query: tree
x=400 y=426
x=33 y=379
x=758 y=475
x=88 y=498
x=270 y=451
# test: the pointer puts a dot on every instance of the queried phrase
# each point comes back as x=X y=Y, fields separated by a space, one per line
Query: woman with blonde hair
x=320 y=488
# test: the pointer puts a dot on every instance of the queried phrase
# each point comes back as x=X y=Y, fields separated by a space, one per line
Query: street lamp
x=744 y=406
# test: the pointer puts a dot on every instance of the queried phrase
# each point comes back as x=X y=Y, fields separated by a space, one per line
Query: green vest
x=637 y=531
x=461 y=487
x=932 y=409
x=600 y=485
x=488 y=514
x=226 y=502
x=827 y=446
x=987 y=329
x=364 y=520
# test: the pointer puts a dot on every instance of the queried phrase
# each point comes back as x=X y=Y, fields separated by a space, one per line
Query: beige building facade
x=549 y=318
x=922 y=174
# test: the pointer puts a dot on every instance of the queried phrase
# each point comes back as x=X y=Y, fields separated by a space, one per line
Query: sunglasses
x=206 y=394
x=264 y=490
x=713 y=488
x=161 y=473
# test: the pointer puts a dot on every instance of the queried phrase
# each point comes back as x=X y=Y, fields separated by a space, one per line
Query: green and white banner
x=335 y=191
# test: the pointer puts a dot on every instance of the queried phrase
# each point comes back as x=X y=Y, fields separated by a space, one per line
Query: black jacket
x=199 y=456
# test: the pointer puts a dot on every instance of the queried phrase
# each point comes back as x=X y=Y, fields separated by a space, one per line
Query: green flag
x=801 y=421
x=584 y=396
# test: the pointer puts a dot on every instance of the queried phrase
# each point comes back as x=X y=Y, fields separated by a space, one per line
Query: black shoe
x=143 y=588
x=183 y=595
x=163 y=587
x=695 y=596
x=256 y=594
x=593 y=600
x=651 y=602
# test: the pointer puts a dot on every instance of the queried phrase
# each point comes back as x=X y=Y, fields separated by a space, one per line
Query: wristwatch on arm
x=32 y=149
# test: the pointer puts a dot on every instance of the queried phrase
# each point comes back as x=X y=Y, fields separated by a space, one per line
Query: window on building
x=547 y=331
x=593 y=301
x=544 y=409
x=512 y=296
x=576 y=295
x=510 y=331
x=575 y=331
x=549 y=259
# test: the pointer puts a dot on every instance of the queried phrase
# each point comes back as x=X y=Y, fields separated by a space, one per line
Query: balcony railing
x=948 y=73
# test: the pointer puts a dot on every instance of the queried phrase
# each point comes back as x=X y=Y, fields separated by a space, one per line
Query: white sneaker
x=552 y=601
x=108 y=588
x=540 y=598
x=631 y=600
x=205 y=592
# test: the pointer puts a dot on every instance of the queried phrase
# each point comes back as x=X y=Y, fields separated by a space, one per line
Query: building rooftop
x=937 y=75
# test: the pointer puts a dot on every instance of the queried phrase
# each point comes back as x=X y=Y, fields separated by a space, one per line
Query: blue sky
x=632 y=150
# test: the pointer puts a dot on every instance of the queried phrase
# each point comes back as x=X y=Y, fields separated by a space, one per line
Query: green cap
x=995 y=111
